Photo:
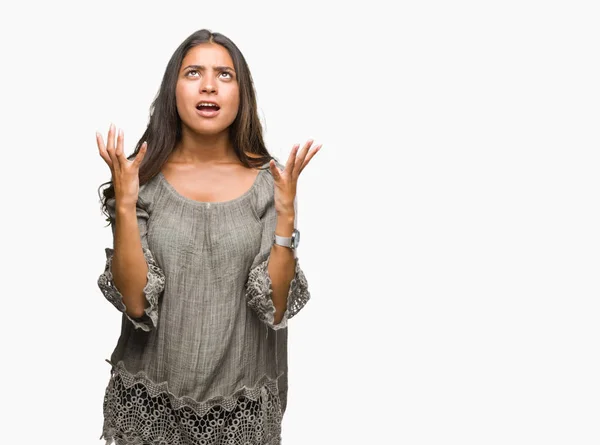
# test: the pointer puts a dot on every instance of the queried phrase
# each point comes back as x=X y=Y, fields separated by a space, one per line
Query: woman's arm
x=129 y=290
x=129 y=266
x=282 y=265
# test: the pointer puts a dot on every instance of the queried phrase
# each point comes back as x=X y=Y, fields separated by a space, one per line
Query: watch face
x=296 y=238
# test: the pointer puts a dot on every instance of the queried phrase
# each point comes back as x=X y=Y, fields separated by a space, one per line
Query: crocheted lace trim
x=259 y=293
x=139 y=411
x=152 y=290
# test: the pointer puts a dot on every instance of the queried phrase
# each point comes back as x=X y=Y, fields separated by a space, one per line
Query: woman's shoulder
x=264 y=196
x=266 y=168
x=267 y=179
x=147 y=192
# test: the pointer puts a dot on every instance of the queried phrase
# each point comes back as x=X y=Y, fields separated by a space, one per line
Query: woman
x=204 y=264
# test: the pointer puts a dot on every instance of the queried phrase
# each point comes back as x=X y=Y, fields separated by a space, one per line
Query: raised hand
x=125 y=173
x=286 y=180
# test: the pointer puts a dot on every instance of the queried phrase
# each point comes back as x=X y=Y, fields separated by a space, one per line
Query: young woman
x=203 y=265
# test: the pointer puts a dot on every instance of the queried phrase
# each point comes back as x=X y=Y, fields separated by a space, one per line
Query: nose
x=208 y=85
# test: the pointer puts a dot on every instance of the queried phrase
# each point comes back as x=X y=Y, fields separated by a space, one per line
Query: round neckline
x=179 y=196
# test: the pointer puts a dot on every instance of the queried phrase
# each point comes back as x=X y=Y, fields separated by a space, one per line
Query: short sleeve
x=155 y=278
x=258 y=285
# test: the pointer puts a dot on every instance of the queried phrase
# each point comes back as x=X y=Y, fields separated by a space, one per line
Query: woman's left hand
x=287 y=179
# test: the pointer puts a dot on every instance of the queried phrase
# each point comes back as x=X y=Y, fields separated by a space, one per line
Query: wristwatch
x=291 y=242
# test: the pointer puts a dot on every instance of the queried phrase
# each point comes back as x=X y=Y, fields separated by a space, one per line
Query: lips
x=207 y=112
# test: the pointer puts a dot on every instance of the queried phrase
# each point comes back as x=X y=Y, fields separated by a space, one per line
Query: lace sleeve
x=258 y=285
x=155 y=278
x=154 y=286
x=259 y=291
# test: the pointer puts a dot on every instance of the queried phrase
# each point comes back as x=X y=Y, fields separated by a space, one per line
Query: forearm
x=282 y=265
x=129 y=267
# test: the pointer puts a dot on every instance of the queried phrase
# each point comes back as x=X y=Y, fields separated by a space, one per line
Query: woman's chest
x=184 y=233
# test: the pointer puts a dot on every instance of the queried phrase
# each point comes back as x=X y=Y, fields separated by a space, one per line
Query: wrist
x=285 y=225
x=124 y=208
x=286 y=216
x=285 y=208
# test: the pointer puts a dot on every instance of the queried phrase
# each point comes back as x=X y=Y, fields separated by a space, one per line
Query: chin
x=212 y=132
x=211 y=129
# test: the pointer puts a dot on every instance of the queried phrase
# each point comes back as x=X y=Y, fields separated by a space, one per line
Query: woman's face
x=207 y=74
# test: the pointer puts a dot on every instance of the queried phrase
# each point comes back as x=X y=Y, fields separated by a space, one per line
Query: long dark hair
x=164 y=126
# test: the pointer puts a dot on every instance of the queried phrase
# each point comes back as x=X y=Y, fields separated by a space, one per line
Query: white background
x=449 y=224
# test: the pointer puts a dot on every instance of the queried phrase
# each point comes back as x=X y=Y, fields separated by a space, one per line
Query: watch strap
x=284 y=241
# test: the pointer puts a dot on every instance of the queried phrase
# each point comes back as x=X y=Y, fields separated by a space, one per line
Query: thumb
x=274 y=170
x=140 y=155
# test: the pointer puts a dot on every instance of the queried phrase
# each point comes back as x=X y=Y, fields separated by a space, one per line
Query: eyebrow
x=202 y=67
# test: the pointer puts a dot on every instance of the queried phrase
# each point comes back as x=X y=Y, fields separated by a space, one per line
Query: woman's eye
x=196 y=71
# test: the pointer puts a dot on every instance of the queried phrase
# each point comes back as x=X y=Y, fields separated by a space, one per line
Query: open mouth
x=207 y=109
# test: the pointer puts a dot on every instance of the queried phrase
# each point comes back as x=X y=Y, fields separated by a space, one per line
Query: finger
x=119 y=151
x=102 y=149
x=310 y=156
x=289 y=165
x=139 y=157
x=110 y=148
x=300 y=158
x=110 y=140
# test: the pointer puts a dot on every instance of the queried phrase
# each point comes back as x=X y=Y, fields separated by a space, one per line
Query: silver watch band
x=293 y=241
x=290 y=242
x=283 y=241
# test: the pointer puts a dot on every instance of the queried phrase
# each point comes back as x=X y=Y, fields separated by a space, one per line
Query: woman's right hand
x=125 y=173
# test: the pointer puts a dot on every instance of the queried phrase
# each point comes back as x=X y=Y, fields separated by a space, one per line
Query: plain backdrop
x=449 y=223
